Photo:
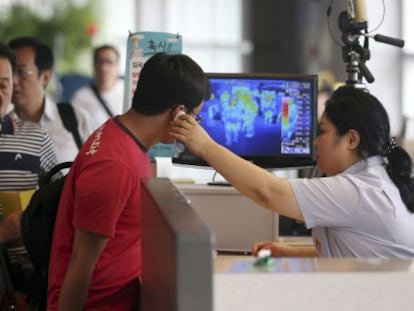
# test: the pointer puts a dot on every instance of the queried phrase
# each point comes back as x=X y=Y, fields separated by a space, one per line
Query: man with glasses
x=95 y=259
x=104 y=98
x=26 y=151
x=33 y=74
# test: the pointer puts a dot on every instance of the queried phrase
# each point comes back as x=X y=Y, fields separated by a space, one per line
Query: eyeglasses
x=197 y=117
x=105 y=61
x=24 y=73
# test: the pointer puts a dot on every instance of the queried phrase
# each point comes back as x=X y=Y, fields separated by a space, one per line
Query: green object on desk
x=264 y=259
x=264 y=262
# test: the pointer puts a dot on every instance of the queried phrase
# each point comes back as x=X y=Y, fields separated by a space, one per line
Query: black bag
x=37 y=224
x=6 y=287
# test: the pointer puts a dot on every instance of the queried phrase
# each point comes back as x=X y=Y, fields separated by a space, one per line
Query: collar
x=129 y=133
x=368 y=162
x=7 y=125
x=50 y=110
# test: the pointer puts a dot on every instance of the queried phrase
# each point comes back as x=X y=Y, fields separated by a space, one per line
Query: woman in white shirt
x=363 y=208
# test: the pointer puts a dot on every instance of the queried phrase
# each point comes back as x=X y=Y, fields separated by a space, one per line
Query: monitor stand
x=219 y=183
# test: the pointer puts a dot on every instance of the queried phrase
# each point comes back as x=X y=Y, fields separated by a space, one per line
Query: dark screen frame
x=268 y=162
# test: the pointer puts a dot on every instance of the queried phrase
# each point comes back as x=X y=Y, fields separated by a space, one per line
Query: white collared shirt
x=358 y=213
x=86 y=99
x=63 y=142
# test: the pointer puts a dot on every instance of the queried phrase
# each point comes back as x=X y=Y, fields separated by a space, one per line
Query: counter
x=313 y=284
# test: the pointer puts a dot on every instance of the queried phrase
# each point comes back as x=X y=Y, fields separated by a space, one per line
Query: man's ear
x=46 y=75
x=177 y=110
x=353 y=139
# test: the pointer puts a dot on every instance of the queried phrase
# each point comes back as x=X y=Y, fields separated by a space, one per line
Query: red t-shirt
x=102 y=195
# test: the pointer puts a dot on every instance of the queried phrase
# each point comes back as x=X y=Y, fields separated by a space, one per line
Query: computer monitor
x=269 y=119
x=176 y=251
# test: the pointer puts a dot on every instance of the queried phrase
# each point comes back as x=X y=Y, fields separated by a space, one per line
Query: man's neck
x=147 y=129
x=106 y=86
x=31 y=111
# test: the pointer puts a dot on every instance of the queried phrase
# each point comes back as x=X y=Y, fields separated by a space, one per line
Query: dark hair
x=98 y=49
x=43 y=53
x=168 y=80
x=352 y=108
x=6 y=52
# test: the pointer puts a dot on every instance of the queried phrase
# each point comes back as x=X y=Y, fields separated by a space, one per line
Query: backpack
x=68 y=117
x=37 y=224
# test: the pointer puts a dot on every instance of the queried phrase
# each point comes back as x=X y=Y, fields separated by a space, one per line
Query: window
x=211 y=29
x=408 y=58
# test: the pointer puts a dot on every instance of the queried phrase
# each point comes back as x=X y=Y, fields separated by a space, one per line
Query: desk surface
x=245 y=264
x=322 y=284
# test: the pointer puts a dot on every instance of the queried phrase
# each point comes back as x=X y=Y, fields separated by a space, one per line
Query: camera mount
x=354 y=54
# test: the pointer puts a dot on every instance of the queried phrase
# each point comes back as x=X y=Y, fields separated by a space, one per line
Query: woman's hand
x=187 y=130
x=277 y=249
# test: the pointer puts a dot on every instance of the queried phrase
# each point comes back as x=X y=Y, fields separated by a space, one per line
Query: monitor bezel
x=280 y=161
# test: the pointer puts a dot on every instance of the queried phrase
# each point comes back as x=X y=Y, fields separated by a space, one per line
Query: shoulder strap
x=101 y=100
x=46 y=178
x=69 y=121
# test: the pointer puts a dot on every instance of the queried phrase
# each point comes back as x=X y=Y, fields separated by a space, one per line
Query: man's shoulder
x=82 y=95
x=83 y=89
x=83 y=116
x=114 y=140
x=30 y=139
x=25 y=126
x=120 y=83
x=81 y=113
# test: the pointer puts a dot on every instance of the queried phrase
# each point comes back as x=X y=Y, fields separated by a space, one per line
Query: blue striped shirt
x=26 y=151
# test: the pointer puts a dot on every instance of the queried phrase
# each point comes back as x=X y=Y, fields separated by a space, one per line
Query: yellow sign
x=13 y=201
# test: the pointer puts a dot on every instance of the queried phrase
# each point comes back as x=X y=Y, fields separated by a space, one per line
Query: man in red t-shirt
x=95 y=261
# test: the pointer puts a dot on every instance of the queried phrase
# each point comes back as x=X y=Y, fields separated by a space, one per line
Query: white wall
x=408 y=69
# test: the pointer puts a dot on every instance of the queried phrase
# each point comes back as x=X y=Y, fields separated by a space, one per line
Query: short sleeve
x=102 y=191
x=327 y=201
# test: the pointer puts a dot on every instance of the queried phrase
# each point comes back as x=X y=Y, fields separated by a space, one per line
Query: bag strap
x=101 y=100
x=69 y=121
x=56 y=169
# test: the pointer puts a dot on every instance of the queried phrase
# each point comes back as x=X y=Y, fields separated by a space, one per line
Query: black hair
x=167 y=80
x=43 y=53
x=6 y=52
x=353 y=108
x=100 y=48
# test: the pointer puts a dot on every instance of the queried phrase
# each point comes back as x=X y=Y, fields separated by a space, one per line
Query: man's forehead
x=26 y=51
x=5 y=69
x=107 y=54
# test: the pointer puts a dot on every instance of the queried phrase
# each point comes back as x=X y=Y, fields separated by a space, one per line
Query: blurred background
x=294 y=36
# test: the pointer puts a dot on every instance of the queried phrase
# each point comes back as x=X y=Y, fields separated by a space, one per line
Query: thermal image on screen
x=259 y=117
